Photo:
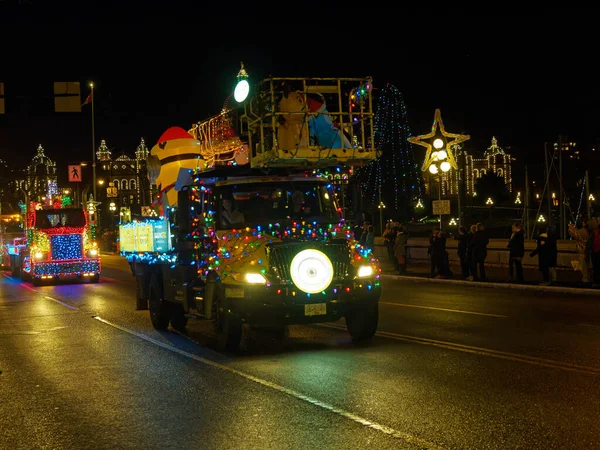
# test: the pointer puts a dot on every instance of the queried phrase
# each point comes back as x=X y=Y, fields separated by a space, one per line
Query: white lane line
x=341 y=412
x=62 y=303
x=7 y=276
x=444 y=309
x=534 y=360
x=589 y=325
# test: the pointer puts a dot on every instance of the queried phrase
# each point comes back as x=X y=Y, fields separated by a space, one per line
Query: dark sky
x=521 y=78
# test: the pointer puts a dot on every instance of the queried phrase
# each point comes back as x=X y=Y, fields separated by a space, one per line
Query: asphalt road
x=451 y=367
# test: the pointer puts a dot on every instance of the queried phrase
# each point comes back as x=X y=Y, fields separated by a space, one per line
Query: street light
x=242 y=89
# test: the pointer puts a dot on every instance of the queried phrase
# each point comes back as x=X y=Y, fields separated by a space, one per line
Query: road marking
x=341 y=412
x=444 y=309
x=483 y=351
x=7 y=276
x=28 y=287
x=62 y=303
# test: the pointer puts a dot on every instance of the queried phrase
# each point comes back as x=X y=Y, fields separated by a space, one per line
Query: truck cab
x=59 y=245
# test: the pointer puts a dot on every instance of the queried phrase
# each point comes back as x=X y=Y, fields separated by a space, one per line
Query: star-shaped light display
x=428 y=140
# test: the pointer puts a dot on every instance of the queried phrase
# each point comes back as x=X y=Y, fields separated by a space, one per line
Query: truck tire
x=95 y=278
x=159 y=308
x=178 y=319
x=22 y=274
x=227 y=327
x=141 y=303
x=362 y=322
x=14 y=268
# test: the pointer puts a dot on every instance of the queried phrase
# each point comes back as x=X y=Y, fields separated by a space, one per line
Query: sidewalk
x=497 y=277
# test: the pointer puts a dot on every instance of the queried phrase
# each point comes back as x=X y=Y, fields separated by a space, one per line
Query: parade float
x=59 y=243
x=248 y=229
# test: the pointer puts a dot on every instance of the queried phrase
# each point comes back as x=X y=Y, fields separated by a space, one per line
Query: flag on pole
x=88 y=99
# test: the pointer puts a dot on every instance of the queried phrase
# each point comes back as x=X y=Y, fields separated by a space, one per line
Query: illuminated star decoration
x=426 y=140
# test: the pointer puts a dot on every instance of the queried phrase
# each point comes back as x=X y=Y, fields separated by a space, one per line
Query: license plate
x=315 y=309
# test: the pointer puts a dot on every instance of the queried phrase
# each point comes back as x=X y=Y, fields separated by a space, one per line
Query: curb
x=518 y=287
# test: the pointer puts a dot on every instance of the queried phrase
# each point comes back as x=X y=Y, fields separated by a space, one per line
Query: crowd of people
x=472 y=251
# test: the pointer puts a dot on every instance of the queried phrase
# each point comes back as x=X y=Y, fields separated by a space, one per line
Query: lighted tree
x=395 y=172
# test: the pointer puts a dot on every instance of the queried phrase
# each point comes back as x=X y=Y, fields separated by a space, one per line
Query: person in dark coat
x=479 y=253
x=462 y=252
x=516 y=248
x=547 y=254
x=552 y=250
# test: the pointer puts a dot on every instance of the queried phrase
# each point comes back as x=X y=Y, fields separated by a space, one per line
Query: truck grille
x=281 y=254
x=66 y=246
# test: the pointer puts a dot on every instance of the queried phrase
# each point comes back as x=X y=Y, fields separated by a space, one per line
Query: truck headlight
x=365 y=271
x=92 y=253
x=311 y=271
x=255 y=278
x=40 y=256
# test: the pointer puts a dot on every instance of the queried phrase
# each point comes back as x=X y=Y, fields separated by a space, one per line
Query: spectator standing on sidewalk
x=470 y=235
x=545 y=256
x=400 y=249
x=552 y=253
x=363 y=235
x=516 y=247
x=594 y=251
x=389 y=235
x=580 y=235
x=479 y=245
x=370 y=238
x=462 y=252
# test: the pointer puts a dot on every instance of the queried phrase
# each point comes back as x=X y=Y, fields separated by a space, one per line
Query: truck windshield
x=251 y=204
x=54 y=218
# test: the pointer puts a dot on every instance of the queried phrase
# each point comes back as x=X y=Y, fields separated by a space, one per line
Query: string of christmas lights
x=395 y=172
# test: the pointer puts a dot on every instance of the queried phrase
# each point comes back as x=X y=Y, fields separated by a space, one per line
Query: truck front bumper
x=86 y=267
x=270 y=306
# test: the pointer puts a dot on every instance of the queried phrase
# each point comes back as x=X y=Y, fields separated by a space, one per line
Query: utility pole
x=548 y=184
x=561 y=195
x=527 y=234
x=587 y=194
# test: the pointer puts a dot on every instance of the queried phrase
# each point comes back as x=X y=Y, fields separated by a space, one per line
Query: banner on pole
x=75 y=174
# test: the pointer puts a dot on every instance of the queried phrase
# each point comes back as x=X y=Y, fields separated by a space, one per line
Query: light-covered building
x=493 y=160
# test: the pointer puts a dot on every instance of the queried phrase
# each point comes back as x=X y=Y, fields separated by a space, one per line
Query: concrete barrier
x=497 y=251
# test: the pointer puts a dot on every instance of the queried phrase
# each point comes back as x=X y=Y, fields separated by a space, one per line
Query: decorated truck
x=59 y=244
x=249 y=230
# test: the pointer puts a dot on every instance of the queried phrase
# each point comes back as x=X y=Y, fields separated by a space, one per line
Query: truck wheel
x=22 y=274
x=227 y=327
x=14 y=269
x=159 y=309
x=178 y=319
x=95 y=278
x=362 y=322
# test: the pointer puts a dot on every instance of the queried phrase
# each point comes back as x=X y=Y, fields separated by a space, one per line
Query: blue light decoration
x=396 y=172
x=66 y=246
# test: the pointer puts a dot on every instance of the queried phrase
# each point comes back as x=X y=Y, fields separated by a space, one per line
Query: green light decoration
x=396 y=172
x=66 y=201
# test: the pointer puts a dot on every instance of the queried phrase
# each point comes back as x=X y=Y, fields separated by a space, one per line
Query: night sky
x=522 y=79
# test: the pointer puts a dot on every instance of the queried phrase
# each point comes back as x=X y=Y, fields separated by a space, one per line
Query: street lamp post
x=381 y=208
x=439 y=165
